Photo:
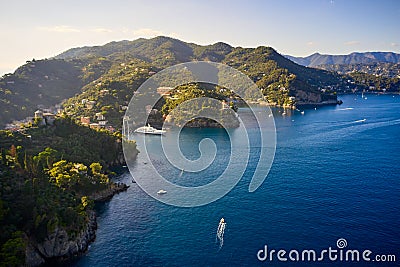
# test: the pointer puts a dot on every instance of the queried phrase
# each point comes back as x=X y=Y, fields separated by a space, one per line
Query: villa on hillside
x=164 y=91
x=85 y=120
x=47 y=118
x=90 y=104
x=100 y=124
x=100 y=116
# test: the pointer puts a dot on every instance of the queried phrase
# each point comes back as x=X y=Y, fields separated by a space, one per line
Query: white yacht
x=161 y=192
x=149 y=130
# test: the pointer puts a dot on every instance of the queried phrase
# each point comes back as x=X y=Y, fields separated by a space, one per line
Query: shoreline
x=298 y=105
x=319 y=104
x=371 y=93
x=57 y=247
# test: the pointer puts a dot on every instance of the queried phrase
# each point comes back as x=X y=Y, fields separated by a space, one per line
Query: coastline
x=370 y=93
x=107 y=194
x=299 y=104
x=60 y=246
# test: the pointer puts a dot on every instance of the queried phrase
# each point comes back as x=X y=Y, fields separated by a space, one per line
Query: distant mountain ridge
x=317 y=59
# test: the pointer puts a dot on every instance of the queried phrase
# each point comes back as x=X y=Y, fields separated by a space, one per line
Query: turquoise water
x=335 y=175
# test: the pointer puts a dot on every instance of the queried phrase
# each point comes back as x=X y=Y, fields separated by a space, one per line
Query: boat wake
x=345 y=108
x=344 y=130
x=220 y=232
x=363 y=120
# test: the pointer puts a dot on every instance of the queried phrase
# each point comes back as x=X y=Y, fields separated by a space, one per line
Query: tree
x=3 y=156
x=61 y=175
x=96 y=167
x=86 y=203
x=97 y=176
x=13 y=250
x=2 y=210
x=13 y=151
x=46 y=158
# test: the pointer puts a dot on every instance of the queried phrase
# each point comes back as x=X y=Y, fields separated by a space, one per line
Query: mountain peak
x=317 y=59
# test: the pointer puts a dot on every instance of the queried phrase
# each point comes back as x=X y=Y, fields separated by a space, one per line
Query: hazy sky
x=40 y=29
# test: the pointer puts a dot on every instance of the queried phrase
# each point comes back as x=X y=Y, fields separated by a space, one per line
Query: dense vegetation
x=110 y=74
x=134 y=62
x=370 y=82
x=390 y=70
x=37 y=83
x=278 y=77
x=47 y=175
x=111 y=92
x=120 y=67
x=372 y=71
x=198 y=109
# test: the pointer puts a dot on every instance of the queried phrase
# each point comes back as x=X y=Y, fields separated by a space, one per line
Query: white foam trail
x=341 y=133
x=345 y=108
x=220 y=232
x=363 y=120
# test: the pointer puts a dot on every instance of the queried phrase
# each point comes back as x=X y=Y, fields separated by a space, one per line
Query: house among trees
x=90 y=104
x=224 y=105
x=164 y=91
x=100 y=116
x=102 y=123
x=85 y=120
x=94 y=125
x=104 y=92
x=44 y=118
x=49 y=118
x=38 y=114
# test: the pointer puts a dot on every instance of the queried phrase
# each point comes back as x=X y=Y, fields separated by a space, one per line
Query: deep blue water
x=333 y=177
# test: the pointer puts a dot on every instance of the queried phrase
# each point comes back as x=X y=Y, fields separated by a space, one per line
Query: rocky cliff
x=59 y=245
x=108 y=193
x=306 y=98
x=208 y=123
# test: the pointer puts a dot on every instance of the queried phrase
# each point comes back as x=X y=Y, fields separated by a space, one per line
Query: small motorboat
x=161 y=192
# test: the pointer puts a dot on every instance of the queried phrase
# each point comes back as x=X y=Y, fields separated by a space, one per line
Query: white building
x=100 y=116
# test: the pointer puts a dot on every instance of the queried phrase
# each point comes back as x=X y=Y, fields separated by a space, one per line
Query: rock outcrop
x=308 y=97
x=304 y=99
x=208 y=123
x=108 y=193
x=59 y=245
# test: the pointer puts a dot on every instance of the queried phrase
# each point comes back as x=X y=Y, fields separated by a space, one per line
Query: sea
x=334 y=185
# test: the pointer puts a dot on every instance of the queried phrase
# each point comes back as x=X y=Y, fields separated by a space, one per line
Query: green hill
x=46 y=83
x=109 y=75
x=49 y=177
x=38 y=82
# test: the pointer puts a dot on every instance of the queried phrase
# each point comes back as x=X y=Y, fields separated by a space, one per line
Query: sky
x=42 y=29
